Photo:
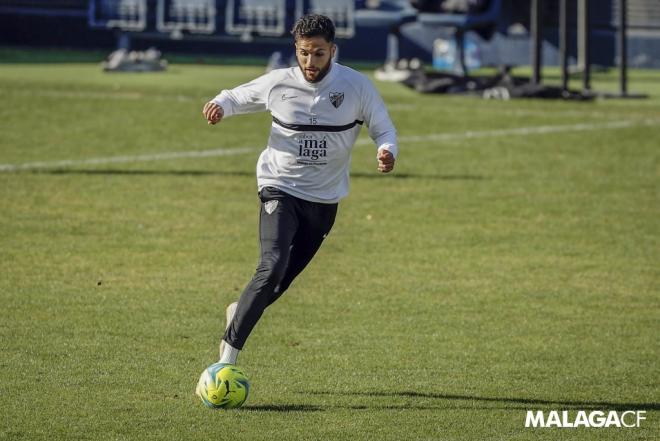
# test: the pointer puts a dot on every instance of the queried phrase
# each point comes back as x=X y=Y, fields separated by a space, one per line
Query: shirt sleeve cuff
x=223 y=101
x=392 y=148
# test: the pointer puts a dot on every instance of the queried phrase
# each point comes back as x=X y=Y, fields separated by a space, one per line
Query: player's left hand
x=385 y=161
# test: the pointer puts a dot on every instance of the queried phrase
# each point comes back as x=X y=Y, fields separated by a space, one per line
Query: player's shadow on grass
x=356 y=175
x=284 y=408
x=510 y=402
x=403 y=175
x=116 y=172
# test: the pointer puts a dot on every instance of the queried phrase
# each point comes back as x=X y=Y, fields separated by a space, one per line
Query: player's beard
x=322 y=71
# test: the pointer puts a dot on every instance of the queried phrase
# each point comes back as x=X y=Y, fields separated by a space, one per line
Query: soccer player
x=317 y=108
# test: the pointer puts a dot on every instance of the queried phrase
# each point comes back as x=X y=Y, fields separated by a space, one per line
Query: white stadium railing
x=128 y=15
x=260 y=17
x=341 y=12
x=268 y=18
x=243 y=18
x=195 y=16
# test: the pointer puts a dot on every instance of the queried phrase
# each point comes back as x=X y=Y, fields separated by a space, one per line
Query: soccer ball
x=223 y=386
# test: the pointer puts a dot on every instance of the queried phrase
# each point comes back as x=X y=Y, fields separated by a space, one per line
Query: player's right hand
x=212 y=112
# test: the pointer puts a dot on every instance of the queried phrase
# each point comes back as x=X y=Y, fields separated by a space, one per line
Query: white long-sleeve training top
x=314 y=128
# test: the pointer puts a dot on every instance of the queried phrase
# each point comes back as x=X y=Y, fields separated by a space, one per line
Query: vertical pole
x=392 y=47
x=124 y=40
x=584 y=22
x=536 y=23
x=623 y=47
x=459 y=36
x=563 y=43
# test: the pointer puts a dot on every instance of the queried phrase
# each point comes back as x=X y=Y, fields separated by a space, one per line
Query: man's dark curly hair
x=314 y=25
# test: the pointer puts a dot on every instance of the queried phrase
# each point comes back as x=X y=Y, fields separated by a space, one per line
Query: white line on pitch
x=115 y=95
x=538 y=130
x=127 y=159
x=402 y=139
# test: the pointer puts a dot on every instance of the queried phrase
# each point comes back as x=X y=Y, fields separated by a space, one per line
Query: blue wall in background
x=35 y=25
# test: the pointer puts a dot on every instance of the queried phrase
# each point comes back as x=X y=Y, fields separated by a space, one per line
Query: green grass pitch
x=511 y=262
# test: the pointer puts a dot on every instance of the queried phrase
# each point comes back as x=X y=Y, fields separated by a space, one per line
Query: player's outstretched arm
x=213 y=113
x=385 y=161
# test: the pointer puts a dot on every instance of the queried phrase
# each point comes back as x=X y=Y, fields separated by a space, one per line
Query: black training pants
x=291 y=230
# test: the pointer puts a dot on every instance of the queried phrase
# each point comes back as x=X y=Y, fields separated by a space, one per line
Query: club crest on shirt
x=270 y=206
x=336 y=98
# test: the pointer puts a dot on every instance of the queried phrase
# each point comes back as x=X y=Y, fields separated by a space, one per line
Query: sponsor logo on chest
x=311 y=148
